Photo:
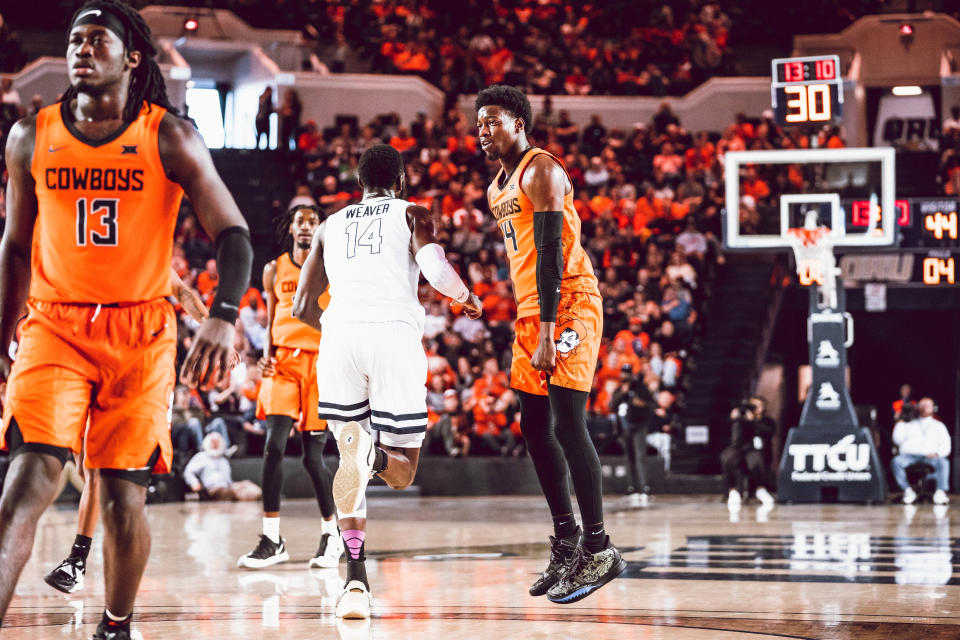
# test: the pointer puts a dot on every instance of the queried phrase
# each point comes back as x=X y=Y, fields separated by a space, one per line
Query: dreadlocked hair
x=146 y=80
x=282 y=235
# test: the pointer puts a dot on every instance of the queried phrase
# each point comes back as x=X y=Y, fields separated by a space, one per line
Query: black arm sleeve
x=547 y=229
x=234 y=257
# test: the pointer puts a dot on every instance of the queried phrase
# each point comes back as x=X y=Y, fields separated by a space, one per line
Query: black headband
x=102 y=15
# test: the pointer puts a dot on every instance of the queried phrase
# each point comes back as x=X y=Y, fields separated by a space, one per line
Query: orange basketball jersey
x=287 y=330
x=106 y=212
x=514 y=213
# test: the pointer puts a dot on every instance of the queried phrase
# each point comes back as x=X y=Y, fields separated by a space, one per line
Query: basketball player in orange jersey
x=95 y=185
x=68 y=576
x=558 y=329
x=288 y=395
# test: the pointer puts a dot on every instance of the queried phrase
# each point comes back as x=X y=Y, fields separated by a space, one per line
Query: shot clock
x=806 y=90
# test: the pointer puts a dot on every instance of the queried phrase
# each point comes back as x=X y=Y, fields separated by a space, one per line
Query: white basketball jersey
x=373 y=275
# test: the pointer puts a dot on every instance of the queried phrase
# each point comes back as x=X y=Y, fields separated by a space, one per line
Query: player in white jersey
x=371 y=369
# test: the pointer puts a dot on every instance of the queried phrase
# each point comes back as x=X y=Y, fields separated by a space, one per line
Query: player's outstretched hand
x=267 y=366
x=472 y=307
x=209 y=357
x=544 y=357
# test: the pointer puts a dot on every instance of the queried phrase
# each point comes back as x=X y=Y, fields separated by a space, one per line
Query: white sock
x=329 y=526
x=271 y=529
x=113 y=617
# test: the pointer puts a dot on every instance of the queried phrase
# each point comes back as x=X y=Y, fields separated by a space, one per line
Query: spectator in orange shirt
x=634 y=335
x=649 y=208
x=252 y=298
x=701 y=154
x=309 y=141
x=753 y=185
x=403 y=141
x=442 y=169
x=207 y=281
x=499 y=306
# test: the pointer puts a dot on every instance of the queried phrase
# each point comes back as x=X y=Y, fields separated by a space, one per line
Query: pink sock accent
x=353 y=538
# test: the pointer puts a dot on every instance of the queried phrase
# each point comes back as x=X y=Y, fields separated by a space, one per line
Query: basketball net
x=816 y=264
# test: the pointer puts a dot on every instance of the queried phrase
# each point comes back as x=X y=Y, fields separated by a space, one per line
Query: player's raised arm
x=434 y=264
x=187 y=162
x=313 y=282
x=18 y=234
x=188 y=298
x=545 y=183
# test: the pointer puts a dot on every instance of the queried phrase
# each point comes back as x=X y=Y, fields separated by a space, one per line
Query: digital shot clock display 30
x=807 y=90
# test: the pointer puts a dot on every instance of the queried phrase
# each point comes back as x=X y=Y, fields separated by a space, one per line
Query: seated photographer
x=920 y=437
x=208 y=474
x=751 y=433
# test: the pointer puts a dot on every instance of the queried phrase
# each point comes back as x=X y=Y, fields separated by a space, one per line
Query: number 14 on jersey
x=370 y=237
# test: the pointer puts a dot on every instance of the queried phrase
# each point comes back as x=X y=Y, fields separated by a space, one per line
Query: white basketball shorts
x=374 y=373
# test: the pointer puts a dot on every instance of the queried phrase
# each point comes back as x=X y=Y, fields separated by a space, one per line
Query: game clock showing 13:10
x=806 y=90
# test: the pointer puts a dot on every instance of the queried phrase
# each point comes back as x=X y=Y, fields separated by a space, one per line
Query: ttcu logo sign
x=842 y=456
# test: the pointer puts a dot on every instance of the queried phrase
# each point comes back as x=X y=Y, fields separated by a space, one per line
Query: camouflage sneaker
x=562 y=552
x=587 y=573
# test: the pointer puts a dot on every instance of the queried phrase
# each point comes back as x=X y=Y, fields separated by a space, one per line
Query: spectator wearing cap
x=208 y=474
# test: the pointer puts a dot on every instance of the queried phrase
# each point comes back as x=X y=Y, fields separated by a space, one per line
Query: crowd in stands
x=649 y=198
x=619 y=48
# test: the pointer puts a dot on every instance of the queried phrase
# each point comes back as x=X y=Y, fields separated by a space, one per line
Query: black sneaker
x=106 y=631
x=68 y=576
x=562 y=552
x=267 y=554
x=587 y=573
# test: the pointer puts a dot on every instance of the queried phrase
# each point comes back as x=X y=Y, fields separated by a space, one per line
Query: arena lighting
x=906 y=29
x=908 y=90
x=190 y=24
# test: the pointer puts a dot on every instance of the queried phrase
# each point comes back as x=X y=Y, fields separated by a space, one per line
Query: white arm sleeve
x=440 y=274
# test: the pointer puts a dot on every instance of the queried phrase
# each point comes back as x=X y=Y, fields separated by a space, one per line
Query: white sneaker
x=765 y=498
x=939 y=497
x=354 y=601
x=909 y=496
x=639 y=499
x=328 y=555
x=357 y=454
x=734 y=500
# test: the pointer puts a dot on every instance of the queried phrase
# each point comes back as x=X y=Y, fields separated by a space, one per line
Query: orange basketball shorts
x=292 y=390
x=577 y=336
x=114 y=365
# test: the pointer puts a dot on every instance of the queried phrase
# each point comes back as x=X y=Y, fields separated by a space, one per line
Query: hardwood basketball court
x=460 y=568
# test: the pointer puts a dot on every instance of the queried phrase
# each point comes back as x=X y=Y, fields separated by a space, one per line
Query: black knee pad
x=16 y=445
x=136 y=476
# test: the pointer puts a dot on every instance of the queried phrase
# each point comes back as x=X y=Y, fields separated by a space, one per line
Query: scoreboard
x=927 y=253
x=806 y=90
